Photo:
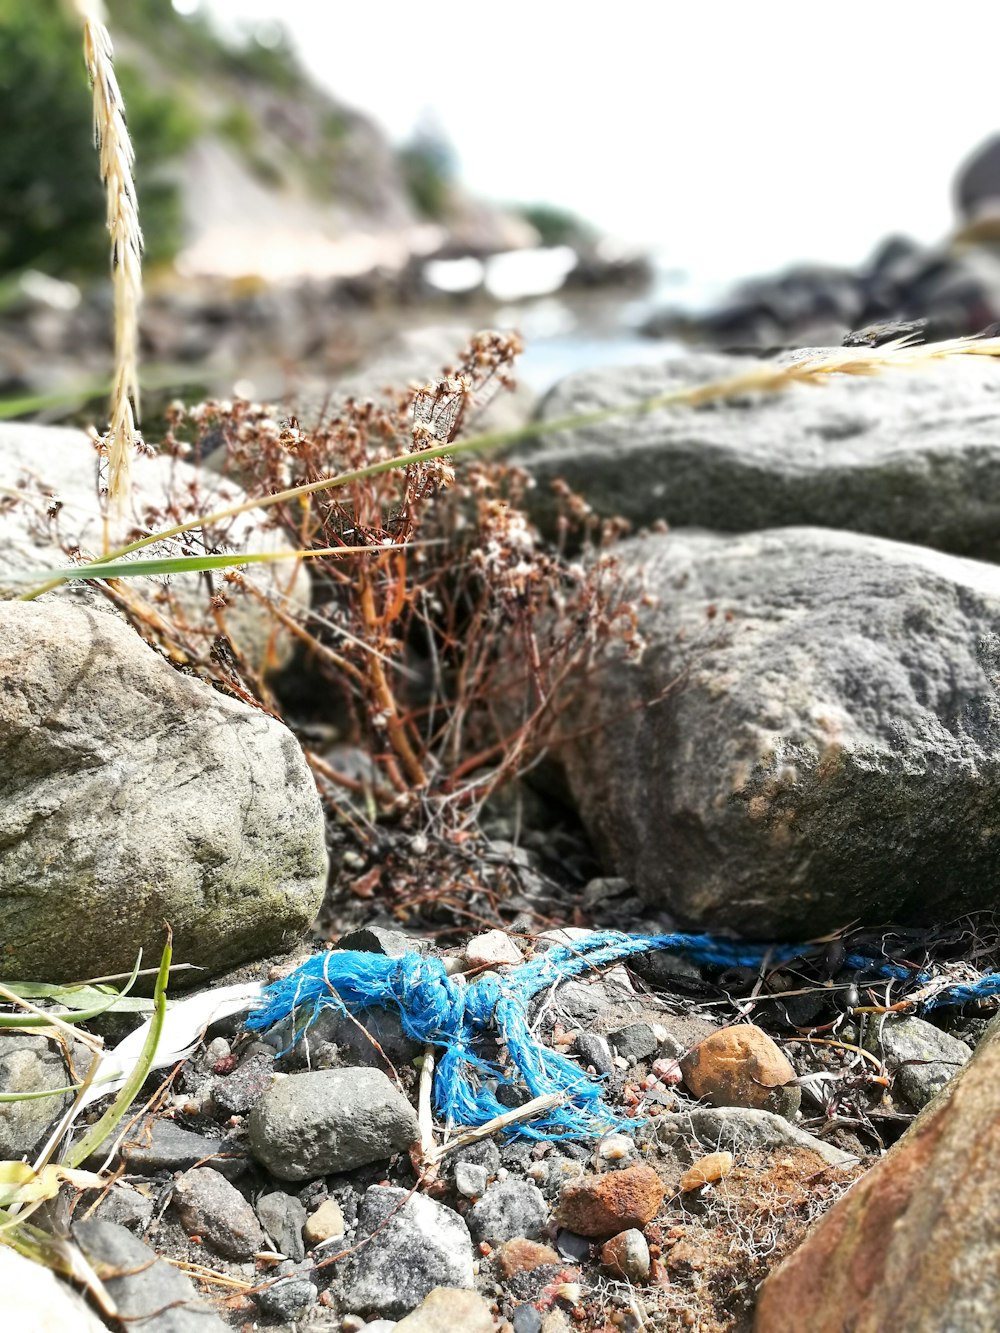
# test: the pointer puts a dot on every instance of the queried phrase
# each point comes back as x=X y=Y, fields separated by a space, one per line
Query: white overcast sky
x=735 y=137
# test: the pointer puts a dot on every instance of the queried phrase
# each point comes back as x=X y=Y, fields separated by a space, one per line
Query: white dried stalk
x=117 y=163
x=537 y=1106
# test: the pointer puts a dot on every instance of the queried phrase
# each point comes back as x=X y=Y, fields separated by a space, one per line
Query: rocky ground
x=295 y=1203
x=807 y=751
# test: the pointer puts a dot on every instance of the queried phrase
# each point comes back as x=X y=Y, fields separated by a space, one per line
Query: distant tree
x=428 y=164
x=51 y=203
x=555 y=226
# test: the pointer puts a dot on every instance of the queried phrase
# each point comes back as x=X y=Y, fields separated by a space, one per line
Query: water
x=574 y=332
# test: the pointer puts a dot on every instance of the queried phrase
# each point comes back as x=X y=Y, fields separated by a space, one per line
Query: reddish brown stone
x=916 y=1243
x=741 y=1066
x=521 y=1256
x=615 y=1201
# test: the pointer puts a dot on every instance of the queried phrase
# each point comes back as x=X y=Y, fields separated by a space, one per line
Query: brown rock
x=627 y=1255
x=915 y=1245
x=604 y=1205
x=326 y=1222
x=210 y=1207
x=706 y=1171
x=447 y=1310
x=741 y=1066
x=521 y=1256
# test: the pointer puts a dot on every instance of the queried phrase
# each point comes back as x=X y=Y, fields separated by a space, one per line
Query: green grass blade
x=104 y=1001
x=81 y=391
x=37 y=1096
x=178 y=564
x=109 y=1121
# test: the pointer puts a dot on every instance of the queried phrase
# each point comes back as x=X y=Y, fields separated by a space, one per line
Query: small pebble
x=706 y=1171
x=571 y=1245
x=615 y=1147
x=526 y=1319
x=492 y=948
x=470 y=1180
x=741 y=1066
x=508 y=1209
x=288 y=1299
x=325 y=1223
x=210 y=1207
x=449 y=1308
x=627 y=1255
x=521 y=1256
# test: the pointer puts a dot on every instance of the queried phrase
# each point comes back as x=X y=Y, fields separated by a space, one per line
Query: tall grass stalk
x=117 y=166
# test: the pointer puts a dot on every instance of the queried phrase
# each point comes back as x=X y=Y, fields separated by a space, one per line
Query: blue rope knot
x=431 y=1004
x=443 y=1011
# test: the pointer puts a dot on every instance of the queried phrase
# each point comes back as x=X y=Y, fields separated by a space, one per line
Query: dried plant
x=117 y=164
x=428 y=587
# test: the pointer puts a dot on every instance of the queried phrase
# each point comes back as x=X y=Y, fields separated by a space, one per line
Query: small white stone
x=470 y=1180
x=491 y=949
x=614 y=1147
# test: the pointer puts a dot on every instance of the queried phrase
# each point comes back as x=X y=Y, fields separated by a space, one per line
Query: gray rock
x=288 y=1299
x=210 y=1207
x=470 y=1180
x=61 y=462
x=664 y=970
x=911 y=455
x=485 y=1153
x=526 y=1319
x=572 y=1246
x=380 y=939
x=414 y=1248
x=737 y=1129
x=149 y=1293
x=636 y=1042
x=283 y=1218
x=846 y=695
x=509 y=1208
x=583 y=1001
x=158 y=1147
x=240 y=1091
x=551 y=1174
x=127 y=1207
x=32 y=1064
x=593 y=1049
x=36 y=1301
x=157 y=799
x=329 y=1120
x=371 y=1038
x=921 y=1057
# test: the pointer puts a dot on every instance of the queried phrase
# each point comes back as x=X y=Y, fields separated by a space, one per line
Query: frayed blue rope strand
x=458 y=1017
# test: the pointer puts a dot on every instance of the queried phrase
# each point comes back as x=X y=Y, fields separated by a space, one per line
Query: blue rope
x=458 y=1017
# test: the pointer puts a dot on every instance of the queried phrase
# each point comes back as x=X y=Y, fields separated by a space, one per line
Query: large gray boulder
x=811 y=736
x=134 y=795
x=913 y=455
x=42 y=463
